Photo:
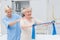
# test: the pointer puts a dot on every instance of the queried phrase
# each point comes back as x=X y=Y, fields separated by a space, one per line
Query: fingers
x=18 y=20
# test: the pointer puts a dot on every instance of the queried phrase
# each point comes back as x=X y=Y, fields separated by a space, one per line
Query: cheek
x=8 y=13
x=26 y=13
x=29 y=14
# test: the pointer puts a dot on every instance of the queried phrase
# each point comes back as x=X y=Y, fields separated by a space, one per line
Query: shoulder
x=22 y=19
x=15 y=14
x=4 y=18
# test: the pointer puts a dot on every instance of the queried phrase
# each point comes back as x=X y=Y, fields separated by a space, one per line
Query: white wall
x=57 y=14
x=4 y=3
x=39 y=8
x=0 y=19
x=42 y=9
x=20 y=0
x=47 y=10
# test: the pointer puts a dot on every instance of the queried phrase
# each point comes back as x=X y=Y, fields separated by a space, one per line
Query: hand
x=34 y=25
x=18 y=20
x=45 y=24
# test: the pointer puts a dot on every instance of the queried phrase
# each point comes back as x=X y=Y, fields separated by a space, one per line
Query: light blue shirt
x=13 y=31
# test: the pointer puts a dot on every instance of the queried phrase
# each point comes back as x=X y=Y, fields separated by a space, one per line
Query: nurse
x=11 y=21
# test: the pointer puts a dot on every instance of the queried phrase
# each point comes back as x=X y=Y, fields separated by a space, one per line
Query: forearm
x=14 y=22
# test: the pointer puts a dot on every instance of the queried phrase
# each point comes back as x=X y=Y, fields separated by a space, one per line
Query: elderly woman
x=26 y=24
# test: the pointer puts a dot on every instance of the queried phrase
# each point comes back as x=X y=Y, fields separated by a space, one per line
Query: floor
x=38 y=37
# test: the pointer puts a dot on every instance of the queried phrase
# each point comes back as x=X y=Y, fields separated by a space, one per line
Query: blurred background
x=44 y=10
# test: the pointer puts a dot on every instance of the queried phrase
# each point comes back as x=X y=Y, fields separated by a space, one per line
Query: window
x=18 y=5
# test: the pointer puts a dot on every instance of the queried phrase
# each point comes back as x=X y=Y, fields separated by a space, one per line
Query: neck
x=28 y=18
x=9 y=16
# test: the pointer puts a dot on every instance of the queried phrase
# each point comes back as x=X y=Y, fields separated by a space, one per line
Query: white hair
x=26 y=9
x=7 y=8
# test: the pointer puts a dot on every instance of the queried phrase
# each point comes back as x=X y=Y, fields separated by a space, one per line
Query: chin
x=9 y=15
x=29 y=16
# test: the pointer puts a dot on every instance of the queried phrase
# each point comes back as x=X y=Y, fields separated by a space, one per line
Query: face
x=28 y=13
x=9 y=12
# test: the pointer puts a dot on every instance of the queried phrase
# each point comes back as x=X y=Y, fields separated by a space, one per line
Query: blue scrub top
x=13 y=31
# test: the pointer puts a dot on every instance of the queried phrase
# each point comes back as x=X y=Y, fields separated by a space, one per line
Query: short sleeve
x=22 y=22
x=17 y=16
